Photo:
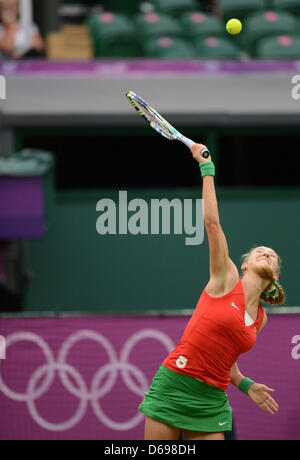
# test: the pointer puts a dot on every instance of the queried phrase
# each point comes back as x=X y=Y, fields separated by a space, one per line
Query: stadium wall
x=78 y=269
x=71 y=378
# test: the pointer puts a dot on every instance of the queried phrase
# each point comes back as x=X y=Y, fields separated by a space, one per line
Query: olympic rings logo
x=43 y=377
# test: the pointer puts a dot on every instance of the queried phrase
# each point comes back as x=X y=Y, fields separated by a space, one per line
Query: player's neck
x=253 y=286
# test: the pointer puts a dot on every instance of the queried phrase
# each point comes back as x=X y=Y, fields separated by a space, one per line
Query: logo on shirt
x=181 y=362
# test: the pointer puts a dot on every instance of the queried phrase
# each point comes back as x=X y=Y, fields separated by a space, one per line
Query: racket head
x=152 y=117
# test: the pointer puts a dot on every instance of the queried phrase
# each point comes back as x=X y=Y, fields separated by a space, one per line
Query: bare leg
x=158 y=431
x=202 y=436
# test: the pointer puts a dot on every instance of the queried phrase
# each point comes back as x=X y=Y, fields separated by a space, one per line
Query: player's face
x=263 y=258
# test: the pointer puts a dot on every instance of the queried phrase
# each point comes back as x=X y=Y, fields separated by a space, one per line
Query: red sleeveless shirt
x=214 y=338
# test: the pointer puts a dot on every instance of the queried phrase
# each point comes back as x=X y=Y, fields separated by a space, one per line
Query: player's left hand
x=260 y=394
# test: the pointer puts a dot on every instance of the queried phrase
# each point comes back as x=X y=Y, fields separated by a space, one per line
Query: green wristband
x=245 y=385
x=207 y=169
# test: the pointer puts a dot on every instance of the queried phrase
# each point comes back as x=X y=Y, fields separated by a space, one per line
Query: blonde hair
x=279 y=295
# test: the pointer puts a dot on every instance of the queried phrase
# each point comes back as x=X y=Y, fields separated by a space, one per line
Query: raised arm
x=223 y=272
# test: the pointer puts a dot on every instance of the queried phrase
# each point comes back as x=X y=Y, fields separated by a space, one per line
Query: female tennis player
x=188 y=392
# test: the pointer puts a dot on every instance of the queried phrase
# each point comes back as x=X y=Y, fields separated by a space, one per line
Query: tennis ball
x=234 y=26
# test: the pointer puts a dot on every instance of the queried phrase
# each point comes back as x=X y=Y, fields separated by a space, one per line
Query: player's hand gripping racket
x=157 y=122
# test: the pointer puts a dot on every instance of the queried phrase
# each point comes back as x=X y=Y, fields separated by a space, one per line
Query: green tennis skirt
x=184 y=402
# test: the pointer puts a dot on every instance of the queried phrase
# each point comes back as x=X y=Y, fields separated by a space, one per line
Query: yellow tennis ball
x=234 y=26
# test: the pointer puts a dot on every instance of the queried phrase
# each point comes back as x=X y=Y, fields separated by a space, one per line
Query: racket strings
x=146 y=113
x=154 y=118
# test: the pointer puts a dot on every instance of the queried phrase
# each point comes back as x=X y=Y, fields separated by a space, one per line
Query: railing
x=147 y=313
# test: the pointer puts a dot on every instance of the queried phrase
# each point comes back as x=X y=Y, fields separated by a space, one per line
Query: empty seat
x=114 y=35
x=267 y=24
x=292 y=6
x=154 y=25
x=197 y=24
x=175 y=7
x=281 y=47
x=216 y=48
x=240 y=8
x=169 y=48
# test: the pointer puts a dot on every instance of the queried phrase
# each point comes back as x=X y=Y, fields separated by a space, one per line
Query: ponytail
x=274 y=296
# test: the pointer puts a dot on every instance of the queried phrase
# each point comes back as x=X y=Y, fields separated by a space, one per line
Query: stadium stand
x=175 y=7
x=119 y=6
x=281 y=47
x=169 y=48
x=198 y=24
x=239 y=9
x=267 y=24
x=113 y=26
x=292 y=6
x=114 y=35
x=216 y=48
x=154 y=25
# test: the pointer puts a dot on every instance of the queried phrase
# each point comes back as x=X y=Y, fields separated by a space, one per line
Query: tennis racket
x=157 y=122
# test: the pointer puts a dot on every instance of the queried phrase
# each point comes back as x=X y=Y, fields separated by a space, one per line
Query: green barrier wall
x=77 y=269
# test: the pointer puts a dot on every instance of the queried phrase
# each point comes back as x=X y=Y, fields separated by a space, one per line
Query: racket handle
x=188 y=142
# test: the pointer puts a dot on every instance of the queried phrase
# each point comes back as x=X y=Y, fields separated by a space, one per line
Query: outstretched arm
x=223 y=272
x=235 y=375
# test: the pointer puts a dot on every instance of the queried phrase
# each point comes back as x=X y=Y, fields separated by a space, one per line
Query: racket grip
x=188 y=142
